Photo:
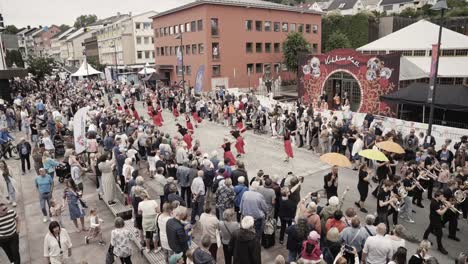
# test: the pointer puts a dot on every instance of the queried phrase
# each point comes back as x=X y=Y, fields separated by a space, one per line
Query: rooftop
x=391 y=2
x=342 y=5
x=239 y=3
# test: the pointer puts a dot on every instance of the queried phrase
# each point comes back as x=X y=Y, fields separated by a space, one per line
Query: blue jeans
x=258 y=227
x=197 y=207
x=292 y=256
x=43 y=199
x=11 y=192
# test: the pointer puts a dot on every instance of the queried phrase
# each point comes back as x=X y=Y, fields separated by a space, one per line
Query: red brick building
x=42 y=42
x=230 y=39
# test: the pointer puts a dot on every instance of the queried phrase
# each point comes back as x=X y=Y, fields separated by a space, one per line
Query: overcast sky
x=46 y=12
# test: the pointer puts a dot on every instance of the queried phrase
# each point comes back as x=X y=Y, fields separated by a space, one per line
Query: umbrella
x=373 y=154
x=390 y=146
x=336 y=159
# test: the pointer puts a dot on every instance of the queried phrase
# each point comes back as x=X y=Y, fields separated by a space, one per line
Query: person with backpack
x=311 y=252
x=24 y=150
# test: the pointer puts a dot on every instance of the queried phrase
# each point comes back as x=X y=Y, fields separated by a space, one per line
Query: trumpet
x=451 y=207
x=429 y=174
x=418 y=185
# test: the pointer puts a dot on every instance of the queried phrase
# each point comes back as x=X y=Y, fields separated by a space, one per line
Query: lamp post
x=115 y=58
x=441 y=5
x=181 y=58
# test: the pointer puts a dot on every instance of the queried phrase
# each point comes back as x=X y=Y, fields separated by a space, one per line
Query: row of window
x=145 y=54
x=193 y=49
x=260 y=47
x=144 y=40
x=420 y=53
x=269 y=26
x=251 y=69
x=192 y=26
x=143 y=25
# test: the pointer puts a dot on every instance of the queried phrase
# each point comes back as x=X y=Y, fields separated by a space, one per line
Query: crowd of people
x=176 y=187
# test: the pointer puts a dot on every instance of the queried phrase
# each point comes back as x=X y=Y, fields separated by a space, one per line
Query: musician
x=450 y=216
x=394 y=208
x=430 y=163
x=363 y=186
x=444 y=155
x=384 y=200
x=421 y=176
x=383 y=172
x=437 y=210
x=406 y=210
x=462 y=180
x=331 y=182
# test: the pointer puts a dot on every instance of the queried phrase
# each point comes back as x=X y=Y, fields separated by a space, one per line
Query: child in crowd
x=95 y=224
x=56 y=211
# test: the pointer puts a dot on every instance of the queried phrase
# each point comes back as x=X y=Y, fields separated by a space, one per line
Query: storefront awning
x=448 y=97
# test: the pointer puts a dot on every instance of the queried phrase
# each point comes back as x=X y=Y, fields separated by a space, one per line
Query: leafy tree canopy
x=84 y=20
x=64 y=27
x=338 y=40
x=14 y=56
x=11 y=29
x=40 y=66
x=294 y=44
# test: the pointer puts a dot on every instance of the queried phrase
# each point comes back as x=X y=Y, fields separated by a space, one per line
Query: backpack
x=24 y=149
x=216 y=183
x=309 y=249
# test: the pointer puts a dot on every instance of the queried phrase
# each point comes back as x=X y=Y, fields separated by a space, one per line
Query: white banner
x=79 y=129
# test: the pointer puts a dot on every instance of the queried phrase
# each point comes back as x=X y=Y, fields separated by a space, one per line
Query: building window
x=461 y=52
x=267 y=26
x=250 y=68
x=268 y=47
x=171 y=30
x=139 y=54
x=248 y=25
x=388 y=8
x=158 y=51
x=182 y=28
x=448 y=53
x=258 y=47
x=152 y=54
x=166 y=51
x=171 y=51
x=276 y=47
x=277 y=67
x=193 y=26
x=146 y=40
x=249 y=47
x=187 y=49
x=258 y=67
x=216 y=69
x=161 y=32
x=214 y=27
x=201 y=48
x=152 y=40
x=215 y=50
x=188 y=70
x=138 y=39
x=176 y=29
x=292 y=27
x=300 y=28
x=147 y=54
x=276 y=27
x=419 y=53
x=156 y=33
x=315 y=29
x=137 y=25
x=284 y=27
x=307 y=28
x=187 y=27
x=407 y=53
x=315 y=48
x=200 y=25
x=194 y=49
x=258 y=25
x=178 y=70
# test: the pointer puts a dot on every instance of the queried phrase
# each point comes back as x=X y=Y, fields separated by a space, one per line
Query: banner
x=179 y=61
x=375 y=75
x=432 y=75
x=199 y=79
x=79 y=129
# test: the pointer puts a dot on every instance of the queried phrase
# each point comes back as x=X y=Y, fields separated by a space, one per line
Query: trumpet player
x=452 y=215
x=430 y=163
x=437 y=210
x=384 y=201
x=421 y=179
x=406 y=210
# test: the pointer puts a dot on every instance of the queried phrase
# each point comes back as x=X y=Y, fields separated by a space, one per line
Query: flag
x=432 y=75
x=199 y=79
x=179 y=60
x=79 y=129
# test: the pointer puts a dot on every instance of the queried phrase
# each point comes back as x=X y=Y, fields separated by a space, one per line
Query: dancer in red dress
x=189 y=124
x=150 y=109
x=188 y=140
x=287 y=146
x=157 y=118
x=159 y=111
x=195 y=115
x=135 y=113
x=240 y=123
x=227 y=152
x=239 y=143
x=175 y=112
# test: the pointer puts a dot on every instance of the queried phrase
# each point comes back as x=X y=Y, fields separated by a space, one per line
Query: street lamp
x=115 y=58
x=441 y=6
x=181 y=58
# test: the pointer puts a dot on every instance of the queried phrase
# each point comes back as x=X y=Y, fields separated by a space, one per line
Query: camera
x=348 y=248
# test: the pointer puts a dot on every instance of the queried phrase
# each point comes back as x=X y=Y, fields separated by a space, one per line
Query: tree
x=410 y=12
x=294 y=44
x=84 y=20
x=64 y=27
x=94 y=61
x=14 y=56
x=11 y=29
x=338 y=40
x=40 y=67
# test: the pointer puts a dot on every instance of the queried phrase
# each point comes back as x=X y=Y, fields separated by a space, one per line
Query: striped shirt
x=8 y=224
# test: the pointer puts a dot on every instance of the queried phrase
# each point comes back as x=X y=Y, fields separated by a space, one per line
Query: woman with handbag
x=209 y=226
x=57 y=244
x=226 y=228
x=120 y=244
x=7 y=184
x=76 y=206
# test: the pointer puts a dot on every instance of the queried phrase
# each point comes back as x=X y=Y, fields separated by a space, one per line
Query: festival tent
x=154 y=77
x=85 y=70
x=147 y=70
x=448 y=97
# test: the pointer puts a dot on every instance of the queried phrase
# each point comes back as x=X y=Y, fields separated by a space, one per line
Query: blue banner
x=199 y=79
x=179 y=61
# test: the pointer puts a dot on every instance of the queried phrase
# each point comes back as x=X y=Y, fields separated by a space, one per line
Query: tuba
x=459 y=196
x=402 y=192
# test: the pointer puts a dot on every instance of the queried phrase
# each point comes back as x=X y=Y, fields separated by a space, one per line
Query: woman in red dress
x=188 y=140
x=159 y=111
x=240 y=124
x=150 y=109
x=175 y=112
x=287 y=146
x=135 y=113
x=189 y=124
x=156 y=118
x=239 y=143
x=227 y=152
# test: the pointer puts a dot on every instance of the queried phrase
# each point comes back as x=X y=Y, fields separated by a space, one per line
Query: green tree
x=40 y=67
x=84 y=20
x=11 y=29
x=410 y=12
x=294 y=44
x=338 y=40
x=14 y=56
x=64 y=27
x=94 y=61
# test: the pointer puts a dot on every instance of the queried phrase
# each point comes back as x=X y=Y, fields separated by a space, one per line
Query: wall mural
x=376 y=75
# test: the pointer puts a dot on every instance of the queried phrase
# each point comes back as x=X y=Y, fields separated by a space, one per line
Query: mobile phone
x=348 y=248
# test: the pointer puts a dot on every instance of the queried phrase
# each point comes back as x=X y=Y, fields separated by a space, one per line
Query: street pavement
x=263 y=152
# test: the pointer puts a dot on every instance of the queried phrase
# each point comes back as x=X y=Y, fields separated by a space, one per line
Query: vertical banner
x=79 y=129
x=179 y=61
x=432 y=75
x=199 y=79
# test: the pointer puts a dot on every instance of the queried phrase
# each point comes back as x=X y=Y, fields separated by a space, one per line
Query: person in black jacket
x=24 y=151
x=240 y=171
x=176 y=236
x=287 y=211
x=244 y=245
x=296 y=235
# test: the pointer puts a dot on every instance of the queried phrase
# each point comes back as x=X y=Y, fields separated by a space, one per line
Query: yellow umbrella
x=336 y=159
x=373 y=154
x=390 y=146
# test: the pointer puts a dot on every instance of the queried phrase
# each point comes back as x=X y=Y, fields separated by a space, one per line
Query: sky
x=47 y=12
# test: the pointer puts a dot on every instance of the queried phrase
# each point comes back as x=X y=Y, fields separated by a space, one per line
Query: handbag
x=83 y=204
x=110 y=255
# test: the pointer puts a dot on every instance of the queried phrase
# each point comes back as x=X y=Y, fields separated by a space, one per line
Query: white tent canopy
x=147 y=70
x=418 y=36
x=85 y=70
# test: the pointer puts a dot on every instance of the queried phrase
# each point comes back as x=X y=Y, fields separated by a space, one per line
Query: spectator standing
x=57 y=244
x=253 y=204
x=209 y=226
x=44 y=185
x=377 y=249
x=244 y=243
x=176 y=235
x=198 y=193
x=120 y=240
x=9 y=233
x=227 y=228
x=24 y=151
